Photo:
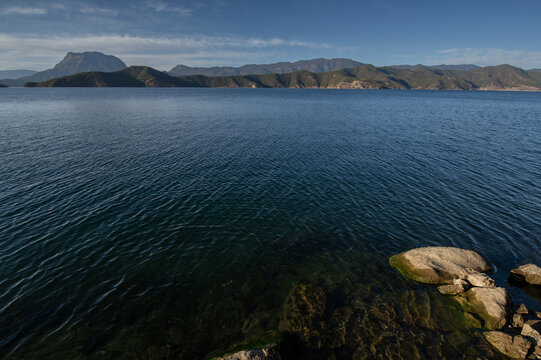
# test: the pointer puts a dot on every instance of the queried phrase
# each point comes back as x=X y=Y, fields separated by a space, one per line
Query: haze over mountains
x=15 y=74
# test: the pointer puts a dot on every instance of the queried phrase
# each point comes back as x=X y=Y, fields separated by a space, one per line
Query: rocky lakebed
x=502 y=328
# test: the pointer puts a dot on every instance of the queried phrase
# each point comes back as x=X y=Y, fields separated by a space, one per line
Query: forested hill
x=502 y=77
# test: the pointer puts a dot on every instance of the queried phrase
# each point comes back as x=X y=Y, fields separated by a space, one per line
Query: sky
x=163 y=33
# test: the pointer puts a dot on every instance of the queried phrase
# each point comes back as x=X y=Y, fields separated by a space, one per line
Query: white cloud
x=162 y=7
x=98 y=10
x=484 y=57
x=163 y=52
x=24 y=11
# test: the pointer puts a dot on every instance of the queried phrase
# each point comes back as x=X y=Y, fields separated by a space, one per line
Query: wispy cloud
x=162 y=52
x=23 y=10
x=159 y=6
x=491 y=56
x=97 y=10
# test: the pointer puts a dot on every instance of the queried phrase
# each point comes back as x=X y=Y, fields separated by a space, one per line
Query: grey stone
x=528 y=273
x=492 y=305
x=477 y=279
x=514 y=347
x=438 y=265
x=531 y=330
x=451 y=289
x=519 y=320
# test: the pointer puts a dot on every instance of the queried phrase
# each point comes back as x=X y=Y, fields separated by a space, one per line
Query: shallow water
x=181 y=223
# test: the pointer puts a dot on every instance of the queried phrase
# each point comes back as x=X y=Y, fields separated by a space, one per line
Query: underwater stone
x=514 y=347
x=438 y=265
x=267 y=353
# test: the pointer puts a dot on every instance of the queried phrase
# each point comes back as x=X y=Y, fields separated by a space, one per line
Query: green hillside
x=503 y=77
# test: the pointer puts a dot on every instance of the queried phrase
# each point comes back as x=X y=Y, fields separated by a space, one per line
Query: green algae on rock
x=491 y=305
x=438 y=265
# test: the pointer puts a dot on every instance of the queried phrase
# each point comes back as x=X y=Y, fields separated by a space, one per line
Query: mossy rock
x=491 y=305
x=438 y=265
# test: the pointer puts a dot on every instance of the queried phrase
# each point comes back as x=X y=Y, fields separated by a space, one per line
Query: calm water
x=180 y=223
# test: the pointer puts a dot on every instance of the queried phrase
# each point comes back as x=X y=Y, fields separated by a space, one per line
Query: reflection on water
x=183 y=223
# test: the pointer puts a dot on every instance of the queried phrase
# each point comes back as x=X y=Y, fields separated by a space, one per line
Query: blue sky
x=163 y=33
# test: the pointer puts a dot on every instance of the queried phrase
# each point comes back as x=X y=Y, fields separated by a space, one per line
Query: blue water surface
x=156 y=222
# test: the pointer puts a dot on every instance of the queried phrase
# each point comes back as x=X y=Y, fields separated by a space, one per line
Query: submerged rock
x=267 y=353
x=492 y=305
x=438 y=265
x=514 y=347
x=527 y=274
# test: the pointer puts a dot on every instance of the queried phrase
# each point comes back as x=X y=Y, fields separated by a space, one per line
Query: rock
x=519 y=320
x=452 y=289
x=476 y=278
x=529 y=274
x=532 y=330
x=536 y=354
x=438 y=265
x=267 y=353
x=522 y=309
x=492 y=305
x=514 y=347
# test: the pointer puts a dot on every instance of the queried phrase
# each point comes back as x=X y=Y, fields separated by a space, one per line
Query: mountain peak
x=89 y=61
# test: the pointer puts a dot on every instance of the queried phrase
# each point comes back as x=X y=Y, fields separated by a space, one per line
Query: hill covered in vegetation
x=502 y=77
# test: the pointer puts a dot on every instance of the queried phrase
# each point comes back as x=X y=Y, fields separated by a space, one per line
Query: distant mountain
x=503 y=77
x=15 y=74
x=535 y=70
x=73 y=63
x=2 y=86
x=315 y=65
x=463 y=67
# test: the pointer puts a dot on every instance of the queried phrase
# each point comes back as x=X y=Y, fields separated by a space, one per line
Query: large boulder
x=492 y=305
x=527 y=274
x=438 y=265
x=267 y=353
x=514 y=347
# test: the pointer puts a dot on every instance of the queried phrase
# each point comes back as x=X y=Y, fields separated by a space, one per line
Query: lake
x=183 y=223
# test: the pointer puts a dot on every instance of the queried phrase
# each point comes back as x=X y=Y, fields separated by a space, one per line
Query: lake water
x=181 y=223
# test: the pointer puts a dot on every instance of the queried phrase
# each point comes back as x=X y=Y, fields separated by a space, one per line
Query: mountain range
x=315 y=66
x=72 y=63
x=97 y=69
x=503 y=77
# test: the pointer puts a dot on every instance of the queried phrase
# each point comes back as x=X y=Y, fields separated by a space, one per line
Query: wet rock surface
x=527 y=274
x=439 y=265
x=485 y=305
x=491 y=305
